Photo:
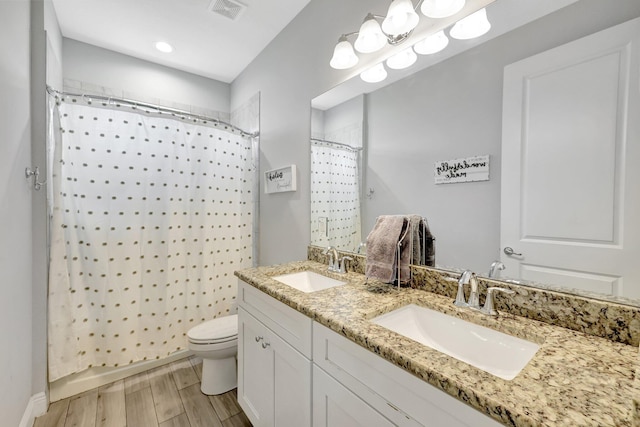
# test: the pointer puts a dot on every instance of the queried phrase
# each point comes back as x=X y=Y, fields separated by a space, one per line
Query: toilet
x=216 y=342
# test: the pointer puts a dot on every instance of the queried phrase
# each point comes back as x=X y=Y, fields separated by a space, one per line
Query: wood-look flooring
x=168 y=396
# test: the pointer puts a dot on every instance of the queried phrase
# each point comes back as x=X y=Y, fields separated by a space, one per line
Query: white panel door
x=570 y=145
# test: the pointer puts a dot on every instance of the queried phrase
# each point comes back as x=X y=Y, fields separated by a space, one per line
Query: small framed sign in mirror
x=280 y=180
x=462 y=170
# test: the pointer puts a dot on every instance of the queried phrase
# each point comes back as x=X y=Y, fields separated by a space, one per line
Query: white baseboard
x=37 y=406
x=96 y=377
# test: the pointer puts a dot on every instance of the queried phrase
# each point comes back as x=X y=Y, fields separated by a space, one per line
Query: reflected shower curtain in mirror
x=335 y=196
x=151 y=216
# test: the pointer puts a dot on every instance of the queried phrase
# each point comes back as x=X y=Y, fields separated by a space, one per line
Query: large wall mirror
x=387 y=138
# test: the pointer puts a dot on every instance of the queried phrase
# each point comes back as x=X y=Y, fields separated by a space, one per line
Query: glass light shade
x=375 y=74
x=441 y=8
x=343 y=55
x=402 y=59
x=370 y=37
x=401 y=18
x=432 y=44
x=472 y=26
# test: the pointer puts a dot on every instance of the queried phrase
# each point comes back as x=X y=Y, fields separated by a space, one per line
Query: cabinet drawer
x=389 y=389
x=291 y=325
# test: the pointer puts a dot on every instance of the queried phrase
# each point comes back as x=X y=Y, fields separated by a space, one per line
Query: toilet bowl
x=216 y=342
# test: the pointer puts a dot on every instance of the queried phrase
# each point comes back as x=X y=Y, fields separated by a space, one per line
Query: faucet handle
x=343 y=267
x=488 y=304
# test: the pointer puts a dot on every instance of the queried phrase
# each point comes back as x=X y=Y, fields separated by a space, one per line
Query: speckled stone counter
x=575 y=379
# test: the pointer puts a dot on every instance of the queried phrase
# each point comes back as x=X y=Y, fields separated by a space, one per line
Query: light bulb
x=441 y=8
x=432 y=44
x=402 y=59
x=164 y=47
x=370 y=37
x=472 y=26
x=343 y=55
x=401 y=18
x=375 y=74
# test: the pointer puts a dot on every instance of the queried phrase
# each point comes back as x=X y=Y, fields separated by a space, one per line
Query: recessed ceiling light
x=164 y=47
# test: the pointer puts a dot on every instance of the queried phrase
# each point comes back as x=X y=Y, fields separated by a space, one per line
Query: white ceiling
x=205 y=43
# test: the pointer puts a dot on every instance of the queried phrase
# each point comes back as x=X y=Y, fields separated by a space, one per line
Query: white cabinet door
x=292 y=385
x=570 y=146
x=274 y=379
x=255 y=371
x=336 y=406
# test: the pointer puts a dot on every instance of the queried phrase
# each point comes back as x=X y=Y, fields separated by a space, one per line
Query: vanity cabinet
x=296 y=372
x=401 y=398
x=274 y=376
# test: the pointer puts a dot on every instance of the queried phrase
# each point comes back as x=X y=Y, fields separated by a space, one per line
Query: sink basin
x=495 y=352
x=308 y=281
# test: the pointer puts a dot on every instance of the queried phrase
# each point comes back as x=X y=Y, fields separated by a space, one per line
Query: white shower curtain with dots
x=335 y=196
x=151 y=216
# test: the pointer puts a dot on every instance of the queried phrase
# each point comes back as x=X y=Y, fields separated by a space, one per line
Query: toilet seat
x=215 y=331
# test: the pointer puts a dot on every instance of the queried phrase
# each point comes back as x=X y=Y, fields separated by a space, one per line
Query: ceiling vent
x=228 y=8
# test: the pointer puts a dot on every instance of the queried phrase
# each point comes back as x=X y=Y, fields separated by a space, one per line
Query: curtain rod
x=158 y=108
x=347 y=146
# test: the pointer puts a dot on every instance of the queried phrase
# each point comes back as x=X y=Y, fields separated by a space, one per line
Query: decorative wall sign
x=462 y=170
x=280 y=180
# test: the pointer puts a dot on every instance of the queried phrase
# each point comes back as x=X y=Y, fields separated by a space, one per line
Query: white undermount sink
x=308 y=281
x=499 y=354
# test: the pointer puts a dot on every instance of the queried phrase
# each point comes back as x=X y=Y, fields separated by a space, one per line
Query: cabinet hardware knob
x=265 y=344
x=258 y=339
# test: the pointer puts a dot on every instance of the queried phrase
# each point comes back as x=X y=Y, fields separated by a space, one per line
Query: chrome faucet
x=488 y=308
x=496 y=267
x=468 y=276
x=463 y=280
x=333 y=263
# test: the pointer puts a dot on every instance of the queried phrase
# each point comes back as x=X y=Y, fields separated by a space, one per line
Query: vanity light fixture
x=164 y=47
x=375 y=74
x=397 y=27
x=432 y=44
x=403 y=59
x=472 y=26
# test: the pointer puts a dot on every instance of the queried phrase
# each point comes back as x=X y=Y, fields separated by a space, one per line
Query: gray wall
x=15 y=213
x=137 y=78
x=290 y=71
x=459 y=115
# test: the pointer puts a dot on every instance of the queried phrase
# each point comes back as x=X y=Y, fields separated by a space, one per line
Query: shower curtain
x=335 y=196
x=151 y=216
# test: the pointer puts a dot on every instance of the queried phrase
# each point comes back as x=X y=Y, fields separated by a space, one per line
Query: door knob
x=509 y=251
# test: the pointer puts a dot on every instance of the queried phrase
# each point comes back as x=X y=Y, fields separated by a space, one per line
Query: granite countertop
x=574 y=379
